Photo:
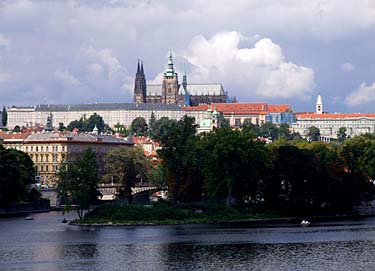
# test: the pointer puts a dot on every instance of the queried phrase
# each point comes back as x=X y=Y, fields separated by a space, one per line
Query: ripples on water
x=47 y=244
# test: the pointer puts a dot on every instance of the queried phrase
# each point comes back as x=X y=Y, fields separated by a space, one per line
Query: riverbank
x=22 y=208
x=161 y=214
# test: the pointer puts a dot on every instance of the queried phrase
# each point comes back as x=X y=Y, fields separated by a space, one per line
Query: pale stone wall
x=329 y=127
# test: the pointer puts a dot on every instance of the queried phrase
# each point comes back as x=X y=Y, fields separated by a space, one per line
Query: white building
x=330 y=123
x=112 y=113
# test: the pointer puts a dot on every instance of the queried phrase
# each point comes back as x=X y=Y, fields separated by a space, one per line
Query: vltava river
x=46 y=244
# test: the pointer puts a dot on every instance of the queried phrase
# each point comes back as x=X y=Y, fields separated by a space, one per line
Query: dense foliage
x=88 y=125
x=139 y=126
x=4 y=117
x=78 y=182
x=125 y=166
x=233 y=167
x=16 y=174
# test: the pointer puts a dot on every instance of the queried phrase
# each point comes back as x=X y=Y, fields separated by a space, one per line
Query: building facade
x=330 y=123
x=112 y=113
x=239 y=113
x=49 y=151
x=171 y=92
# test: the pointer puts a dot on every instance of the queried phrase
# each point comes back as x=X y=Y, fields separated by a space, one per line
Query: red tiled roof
x=241 y=108
x=9 y=136
x=335 y=115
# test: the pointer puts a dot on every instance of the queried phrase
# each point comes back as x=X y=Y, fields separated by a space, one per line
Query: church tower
x=140 y=94
x=319 y=105
x=170 y=84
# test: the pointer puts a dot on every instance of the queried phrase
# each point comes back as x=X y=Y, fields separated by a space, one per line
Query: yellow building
x=49 y=150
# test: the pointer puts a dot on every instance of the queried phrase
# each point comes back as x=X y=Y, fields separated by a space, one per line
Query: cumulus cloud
x=4 y=42
x=66 y=77
x=95 y=68
x=364 y=94
x=4 y=77
x=347 y=67
x=106 y=58
x=259 y=70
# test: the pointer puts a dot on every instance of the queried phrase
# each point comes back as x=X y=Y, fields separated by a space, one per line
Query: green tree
x=17 y=129
x=16 y=173
x=367 y=160
x=121 y=129
x=95 y=120
x=233 y=166
x=125 y=166
x=4 y=117
x=61 y=127
x=152 y=119
x=176 y=152
x=78 y=182
x=341 y=134
x=139 y=126
x=88 y=125
x=313 y=134
x=269 y=130
x=161 y=126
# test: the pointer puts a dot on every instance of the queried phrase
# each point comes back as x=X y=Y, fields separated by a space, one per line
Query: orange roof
x=278 y=108
x=9 y=135
x=241 y=108
x=335 y=115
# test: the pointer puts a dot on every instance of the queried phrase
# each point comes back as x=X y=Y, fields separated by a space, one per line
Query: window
x=36 y=148
x=46 y=168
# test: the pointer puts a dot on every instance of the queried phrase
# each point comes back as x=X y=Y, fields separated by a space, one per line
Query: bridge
x=109 y=190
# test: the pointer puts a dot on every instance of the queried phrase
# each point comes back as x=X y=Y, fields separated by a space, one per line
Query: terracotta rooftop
x=15 y=136
x=241 y=108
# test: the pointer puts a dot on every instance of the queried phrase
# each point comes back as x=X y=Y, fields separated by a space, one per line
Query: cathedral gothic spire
x=140 y=92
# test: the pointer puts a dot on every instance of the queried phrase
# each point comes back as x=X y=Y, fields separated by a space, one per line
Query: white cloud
x=260 y=70
x=347 y=67
x=364 y=94
x=4 y=42
x=95 y=68
x=66 y=77
x=4 y=77
x=106 y=58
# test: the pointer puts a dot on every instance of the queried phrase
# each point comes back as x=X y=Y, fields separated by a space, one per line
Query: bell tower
x=319 y=105
x=170 y=83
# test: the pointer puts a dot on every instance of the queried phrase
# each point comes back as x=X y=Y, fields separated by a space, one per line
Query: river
x=47 y=244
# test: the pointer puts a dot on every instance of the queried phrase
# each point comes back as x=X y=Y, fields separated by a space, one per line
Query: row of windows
x=46 y=168
x=44 y=148
x=45 y=158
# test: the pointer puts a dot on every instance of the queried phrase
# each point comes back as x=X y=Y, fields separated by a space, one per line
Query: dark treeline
x=16 y=174
x=290 y=175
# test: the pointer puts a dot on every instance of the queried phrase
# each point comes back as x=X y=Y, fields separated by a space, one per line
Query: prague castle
x=171 y=92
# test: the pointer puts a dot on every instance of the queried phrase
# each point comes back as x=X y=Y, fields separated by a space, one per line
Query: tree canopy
x=88 y=125
x=125 y=166
x=78 y=182
x=139 y=126
x=4 y=117
x=16 y=173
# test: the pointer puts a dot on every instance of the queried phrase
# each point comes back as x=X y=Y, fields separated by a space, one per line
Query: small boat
x=305 y=223
x=29 y=218
x=64 y=221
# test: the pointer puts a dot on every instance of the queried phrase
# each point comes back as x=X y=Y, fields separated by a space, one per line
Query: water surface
x=47 y=244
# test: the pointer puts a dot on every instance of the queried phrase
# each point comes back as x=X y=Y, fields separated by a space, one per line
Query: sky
x=274 y=51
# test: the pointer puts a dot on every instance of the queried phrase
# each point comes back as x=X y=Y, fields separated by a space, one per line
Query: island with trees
x=233 y=175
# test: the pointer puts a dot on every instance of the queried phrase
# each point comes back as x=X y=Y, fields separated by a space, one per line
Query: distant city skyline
x=261 y=51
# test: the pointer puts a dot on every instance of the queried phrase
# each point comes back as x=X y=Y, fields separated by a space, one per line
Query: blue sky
x=276 y=51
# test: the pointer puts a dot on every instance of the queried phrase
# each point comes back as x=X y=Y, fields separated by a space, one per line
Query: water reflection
x=47 y=244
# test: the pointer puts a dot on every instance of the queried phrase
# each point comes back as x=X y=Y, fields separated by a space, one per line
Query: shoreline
x=256 y=222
